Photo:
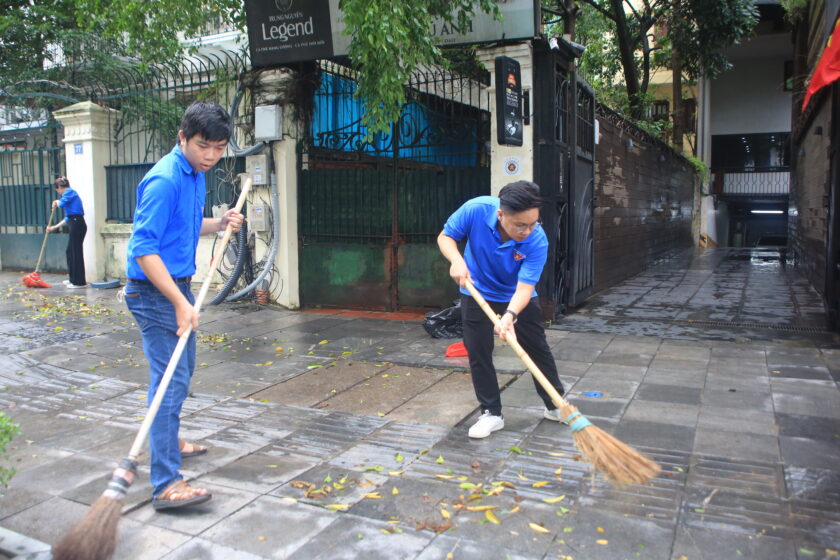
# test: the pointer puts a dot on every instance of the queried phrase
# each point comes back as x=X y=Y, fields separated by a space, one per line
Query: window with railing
x=751 y=164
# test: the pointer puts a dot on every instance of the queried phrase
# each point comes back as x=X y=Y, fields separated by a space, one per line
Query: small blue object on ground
x=106 y=284
x=593 y=394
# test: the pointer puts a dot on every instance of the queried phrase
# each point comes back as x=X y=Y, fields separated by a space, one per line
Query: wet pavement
x=340 y=436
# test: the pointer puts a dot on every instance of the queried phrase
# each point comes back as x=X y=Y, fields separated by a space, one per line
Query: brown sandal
x=190 y=449
x=180 y=494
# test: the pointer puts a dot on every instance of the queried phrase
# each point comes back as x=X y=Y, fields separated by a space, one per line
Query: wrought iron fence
x=26 y=185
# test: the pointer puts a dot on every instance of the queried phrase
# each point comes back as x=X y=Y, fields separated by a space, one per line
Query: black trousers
x=75 y=255
x=478 y=339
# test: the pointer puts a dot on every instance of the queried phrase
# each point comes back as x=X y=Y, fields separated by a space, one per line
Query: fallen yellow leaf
x=538 y=528
x=522 y=477
x=603 y=541
x=445 y=514
x=372 y=496
x=481 y=508
x=558 y=471
x=514 y=510
x=395 y=491
x=395 y=473
x=445 y=476
x=599 y=529
x=540 y=484
x=491 y=517
x=554 y=500
x=336 y=507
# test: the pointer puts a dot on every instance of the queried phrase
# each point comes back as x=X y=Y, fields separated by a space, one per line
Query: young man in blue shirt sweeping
x=504 y=258
x=160 y=263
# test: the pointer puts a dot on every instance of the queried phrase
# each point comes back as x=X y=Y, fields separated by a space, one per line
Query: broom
x=95 y=536
x=611 y=457
x=33 y=279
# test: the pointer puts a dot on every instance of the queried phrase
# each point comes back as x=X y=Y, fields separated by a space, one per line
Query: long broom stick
x=95 y=537
x=608 y=455
x=33 y=279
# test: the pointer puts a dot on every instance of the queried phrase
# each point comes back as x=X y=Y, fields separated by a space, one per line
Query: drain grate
x=766 y=326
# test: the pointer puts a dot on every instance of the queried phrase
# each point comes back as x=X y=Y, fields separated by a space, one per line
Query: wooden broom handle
x=136 y=448
x=44 y=242
x=556 y=397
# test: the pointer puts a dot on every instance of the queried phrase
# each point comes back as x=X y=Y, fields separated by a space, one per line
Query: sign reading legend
x=288 y=30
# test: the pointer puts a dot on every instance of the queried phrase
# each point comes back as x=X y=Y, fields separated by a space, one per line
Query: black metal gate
x=565 y=170
x=370 y=208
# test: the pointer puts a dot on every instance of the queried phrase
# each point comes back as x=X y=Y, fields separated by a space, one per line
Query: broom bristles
x=95 y=536
x=610 y=456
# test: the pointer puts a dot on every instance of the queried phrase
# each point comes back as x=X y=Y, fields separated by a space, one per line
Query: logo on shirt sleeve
x=517 y=256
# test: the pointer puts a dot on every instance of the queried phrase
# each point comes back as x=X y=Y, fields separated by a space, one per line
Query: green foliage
x=151 y=29
x=26 y=29
x=390 y=39
x=796 y=10
x=700 y=168
x=8 y=430
x=701 y=29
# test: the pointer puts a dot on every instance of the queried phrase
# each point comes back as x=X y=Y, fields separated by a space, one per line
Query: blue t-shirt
x=71 y=203
x=167 y=220
x=496 y=267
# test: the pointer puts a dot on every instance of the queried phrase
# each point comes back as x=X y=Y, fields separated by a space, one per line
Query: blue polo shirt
x=168 y=216
x=71 y=203
x=496 y=267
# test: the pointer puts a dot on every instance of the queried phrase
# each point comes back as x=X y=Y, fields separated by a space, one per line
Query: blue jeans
x=155 y=315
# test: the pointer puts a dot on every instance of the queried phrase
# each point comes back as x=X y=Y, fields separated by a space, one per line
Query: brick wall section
x=645 y=199
x=807 y=220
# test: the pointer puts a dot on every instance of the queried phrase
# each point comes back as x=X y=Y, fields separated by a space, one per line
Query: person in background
x=74 y=217
x=168 y=220
x=504 y=258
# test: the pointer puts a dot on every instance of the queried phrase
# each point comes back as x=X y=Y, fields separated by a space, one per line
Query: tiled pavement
x=715 y=363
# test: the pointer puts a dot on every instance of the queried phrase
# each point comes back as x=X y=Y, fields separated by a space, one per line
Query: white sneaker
x=66 y=282
x=75 y=287
x=553 y=415
x=486 y=425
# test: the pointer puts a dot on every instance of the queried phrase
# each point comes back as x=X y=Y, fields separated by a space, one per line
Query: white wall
x=749 y=97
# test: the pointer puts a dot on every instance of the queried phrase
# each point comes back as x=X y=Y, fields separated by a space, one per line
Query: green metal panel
x=351 y=256
x=19 y=251
x=345 y=274
x=423 y=276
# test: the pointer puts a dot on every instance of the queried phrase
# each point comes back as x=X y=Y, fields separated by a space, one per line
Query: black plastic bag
x=445 y=323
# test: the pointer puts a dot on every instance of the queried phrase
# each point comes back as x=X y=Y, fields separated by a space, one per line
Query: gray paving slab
x=271 y=527
x=207 y=550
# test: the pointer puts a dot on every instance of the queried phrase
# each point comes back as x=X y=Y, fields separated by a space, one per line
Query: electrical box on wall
x=257 y=167
x=268 y=122
x=256 y=218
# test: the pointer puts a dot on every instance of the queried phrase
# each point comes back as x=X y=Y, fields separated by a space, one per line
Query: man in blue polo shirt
x=504 y=258
x=160 y=263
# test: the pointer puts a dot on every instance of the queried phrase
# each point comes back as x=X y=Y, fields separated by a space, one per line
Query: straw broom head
x=614 y=459
x=95 y=536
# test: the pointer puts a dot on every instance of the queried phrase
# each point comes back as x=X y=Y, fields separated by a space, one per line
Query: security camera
x=577 y=48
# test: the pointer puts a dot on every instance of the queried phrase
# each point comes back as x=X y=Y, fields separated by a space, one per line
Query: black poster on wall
x=281 y=31
x=508 y=101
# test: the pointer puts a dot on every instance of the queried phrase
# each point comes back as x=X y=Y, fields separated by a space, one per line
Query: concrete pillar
x=510 y=163
x=88 y=134
x=284 y=154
